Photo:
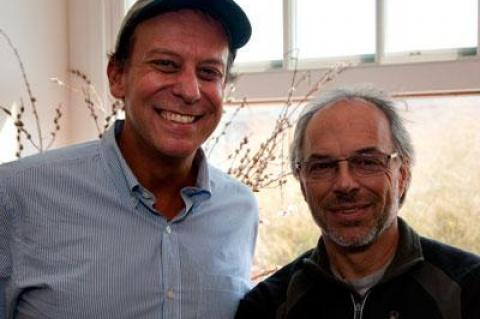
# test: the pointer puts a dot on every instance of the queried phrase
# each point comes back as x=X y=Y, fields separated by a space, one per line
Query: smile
x=176 y=117
x=348 y=209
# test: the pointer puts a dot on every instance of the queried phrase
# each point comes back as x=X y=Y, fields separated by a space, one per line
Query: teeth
x=178 y=118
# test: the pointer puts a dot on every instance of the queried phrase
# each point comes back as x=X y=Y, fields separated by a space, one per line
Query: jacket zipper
x=358 y=306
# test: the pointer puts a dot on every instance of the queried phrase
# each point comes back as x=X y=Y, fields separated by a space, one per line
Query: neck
x=355 y=263
x=161 y=175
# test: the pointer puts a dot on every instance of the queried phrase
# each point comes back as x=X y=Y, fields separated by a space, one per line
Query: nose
x=345 y=181
x=187 y=86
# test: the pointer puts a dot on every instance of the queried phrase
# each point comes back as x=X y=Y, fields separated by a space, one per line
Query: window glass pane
x=129 y=3
x=430 y=24
x=266 y=43
x=335 y=28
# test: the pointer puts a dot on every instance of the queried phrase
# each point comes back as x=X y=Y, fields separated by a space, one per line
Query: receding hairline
x=377 y=111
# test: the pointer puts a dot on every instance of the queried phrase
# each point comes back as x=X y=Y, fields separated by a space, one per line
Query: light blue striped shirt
x=79 y=238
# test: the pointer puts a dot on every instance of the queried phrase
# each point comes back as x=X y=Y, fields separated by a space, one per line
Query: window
x=129 y=3
x=335 y=28
x=429 y=25
x=322 y=33
x=8 y=133
x=266 y=43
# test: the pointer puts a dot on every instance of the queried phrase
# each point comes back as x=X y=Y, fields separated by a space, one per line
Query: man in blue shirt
x=137 y=225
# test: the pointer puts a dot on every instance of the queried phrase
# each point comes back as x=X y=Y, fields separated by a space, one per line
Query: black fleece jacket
x=426 y=279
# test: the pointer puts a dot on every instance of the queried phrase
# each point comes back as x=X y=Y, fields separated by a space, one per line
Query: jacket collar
x=315 y=265
x=408 y=253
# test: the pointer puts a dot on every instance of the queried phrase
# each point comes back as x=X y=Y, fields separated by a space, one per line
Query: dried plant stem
x=20 y=127
x=91 y=107
x=56 y=124
x=226 y=126
x=117 y=106
x=263 y=274
x=328 y=76
x=32 y=99
x=5 y=110
x=252 y=166
x=94 y=102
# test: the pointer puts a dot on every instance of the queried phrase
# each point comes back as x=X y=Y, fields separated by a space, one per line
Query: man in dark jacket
x=352 y=156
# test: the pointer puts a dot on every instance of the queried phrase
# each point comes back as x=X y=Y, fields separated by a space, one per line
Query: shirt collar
x=120 y=168
x=114 y=157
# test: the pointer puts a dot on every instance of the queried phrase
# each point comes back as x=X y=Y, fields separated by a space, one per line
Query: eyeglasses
x=359 y=165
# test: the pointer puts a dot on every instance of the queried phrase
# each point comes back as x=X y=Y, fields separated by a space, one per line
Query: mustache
x=347 y=199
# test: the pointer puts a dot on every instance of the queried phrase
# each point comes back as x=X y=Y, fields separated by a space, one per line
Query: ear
x=302 y=187
x=116 y=79
x=404 y=179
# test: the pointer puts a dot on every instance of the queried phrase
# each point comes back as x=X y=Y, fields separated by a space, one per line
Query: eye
x=321 y=166
x=164 y=65
x=366 y=162
x=210 y=73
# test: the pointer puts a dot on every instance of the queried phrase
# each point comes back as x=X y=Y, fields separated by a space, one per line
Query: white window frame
x=431 y=72
x=378 y=58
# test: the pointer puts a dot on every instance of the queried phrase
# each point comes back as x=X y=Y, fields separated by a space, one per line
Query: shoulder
x=266 y=297
x=456 y=263
x=223 y=182
x=52 y=160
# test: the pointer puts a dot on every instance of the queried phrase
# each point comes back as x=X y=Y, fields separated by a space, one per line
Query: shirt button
x=146 y=195
x=168 y=229
x=170 y=294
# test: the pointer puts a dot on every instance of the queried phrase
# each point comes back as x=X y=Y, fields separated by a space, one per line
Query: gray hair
x=400 y=136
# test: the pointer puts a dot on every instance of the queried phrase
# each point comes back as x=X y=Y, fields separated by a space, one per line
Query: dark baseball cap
x=227 y=12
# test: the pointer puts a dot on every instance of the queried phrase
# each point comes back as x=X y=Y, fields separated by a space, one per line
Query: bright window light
x=413 y=25
x=129 y=3
x=335 y=28
x=266 y=43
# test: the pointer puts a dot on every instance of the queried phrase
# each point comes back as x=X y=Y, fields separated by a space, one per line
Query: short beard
x=361 y=241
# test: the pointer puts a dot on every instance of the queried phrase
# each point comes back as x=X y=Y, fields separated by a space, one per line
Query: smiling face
x=172 y=84
x=352 y=211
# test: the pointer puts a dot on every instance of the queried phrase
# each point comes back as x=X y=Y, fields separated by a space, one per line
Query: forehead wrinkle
x=180 y=32
x=347 y=126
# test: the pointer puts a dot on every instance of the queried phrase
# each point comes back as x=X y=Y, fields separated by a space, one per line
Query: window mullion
x=289 y=31
x=380 y=31
x=478 y=28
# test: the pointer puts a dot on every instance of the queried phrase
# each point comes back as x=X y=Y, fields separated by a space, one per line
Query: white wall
x=431 y=77
x=92 y=24
x=39 y=31
x=53 y=37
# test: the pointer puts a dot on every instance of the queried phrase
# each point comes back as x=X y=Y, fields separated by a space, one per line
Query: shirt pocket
x=219 y=296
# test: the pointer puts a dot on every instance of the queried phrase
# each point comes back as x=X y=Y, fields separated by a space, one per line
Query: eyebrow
x=366 y=150
x=217 y=61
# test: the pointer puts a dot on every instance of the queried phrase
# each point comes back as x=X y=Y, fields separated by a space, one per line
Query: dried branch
x=253 y=165
x=225 y=127
x=262 y=274
x=56 y=125
x=32 y=99
x=117 y=106
x=94 y=103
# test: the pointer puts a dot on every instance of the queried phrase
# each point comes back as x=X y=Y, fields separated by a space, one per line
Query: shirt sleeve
x=5 y=262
